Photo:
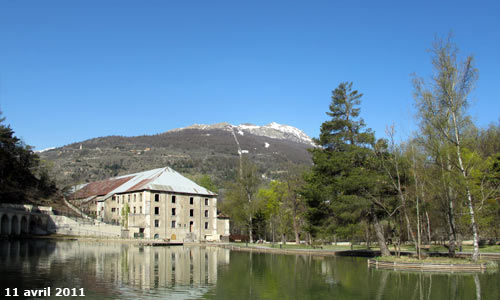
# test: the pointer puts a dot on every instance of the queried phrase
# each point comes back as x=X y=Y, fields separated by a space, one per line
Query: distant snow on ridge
x=272 y=130
x=43 y=150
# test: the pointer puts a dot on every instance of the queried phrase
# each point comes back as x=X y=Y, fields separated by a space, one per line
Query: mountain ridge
x=272 y=130
x=194 y=151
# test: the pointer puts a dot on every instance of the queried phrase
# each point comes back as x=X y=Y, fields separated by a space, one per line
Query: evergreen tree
x=18 y=164
x=345 y=185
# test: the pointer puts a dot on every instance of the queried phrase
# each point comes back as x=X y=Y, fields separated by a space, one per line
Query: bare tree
x=443 y=107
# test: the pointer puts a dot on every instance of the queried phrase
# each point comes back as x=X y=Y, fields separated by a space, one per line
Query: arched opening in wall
x=157 y=236
x=32 y=225
x=191 y=225
x=15 y=226
x=5 y=225
x=39 y=222
x=24 y=225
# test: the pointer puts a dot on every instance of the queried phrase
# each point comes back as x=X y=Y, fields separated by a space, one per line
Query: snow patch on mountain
x=272 y=130
x=45 y=150
x=278 y=131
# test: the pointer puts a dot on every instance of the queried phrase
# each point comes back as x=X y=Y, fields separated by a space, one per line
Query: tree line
x=441 y=183
x=24 y=178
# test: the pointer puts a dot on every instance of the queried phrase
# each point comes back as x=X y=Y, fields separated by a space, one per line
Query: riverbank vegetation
x=440 y=184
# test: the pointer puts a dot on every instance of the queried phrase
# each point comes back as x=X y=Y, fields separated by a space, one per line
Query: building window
x=191 y=200
x=113 y=209
x=206 y=213
x=191 y=212
x=206 y=225
x=157 y=198
x=173 y=224
x=157 y=210
x=173 y=211
x=134 y=210
x=206 y=201
x=157 y=223
x=135 y=196
x=113 y=198
x=173 y=199
x=140 y=209
x=128 y=198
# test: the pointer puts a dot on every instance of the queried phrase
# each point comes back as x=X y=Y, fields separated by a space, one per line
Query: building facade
x=158 y=204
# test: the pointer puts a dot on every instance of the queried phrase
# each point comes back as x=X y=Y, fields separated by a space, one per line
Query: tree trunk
x=250 y=227
x=418 y=241
x=380 y=235
x=428 y=229
x=296 y=229
x=272 y=230
x=475 y=253
x=410 y=230
x=452 y=232
x=452 y=236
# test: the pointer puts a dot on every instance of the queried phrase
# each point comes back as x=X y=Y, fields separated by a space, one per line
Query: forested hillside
x=196 y=151
x=23 y=177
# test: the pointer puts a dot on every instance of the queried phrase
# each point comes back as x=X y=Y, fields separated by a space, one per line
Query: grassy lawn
x=320 y=247
x=430 y=260
x=307 y=247
x=440 y=248
x=433 y=248
x=490 y=265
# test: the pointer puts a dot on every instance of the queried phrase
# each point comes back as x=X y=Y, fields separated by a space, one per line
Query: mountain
x=194 y=151
x=272 y=130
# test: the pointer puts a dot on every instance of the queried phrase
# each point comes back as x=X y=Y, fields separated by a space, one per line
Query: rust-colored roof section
x=100 y=188
x=140 y=184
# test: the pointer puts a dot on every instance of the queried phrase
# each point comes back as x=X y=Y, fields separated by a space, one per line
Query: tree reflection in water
x=111 y=270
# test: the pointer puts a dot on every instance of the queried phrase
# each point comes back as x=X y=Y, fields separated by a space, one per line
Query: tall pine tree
x=345 y=185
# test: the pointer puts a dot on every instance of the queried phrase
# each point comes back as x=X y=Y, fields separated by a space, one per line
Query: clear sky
x=73 y=70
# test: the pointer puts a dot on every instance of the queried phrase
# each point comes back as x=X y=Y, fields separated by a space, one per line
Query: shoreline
x=250 y=248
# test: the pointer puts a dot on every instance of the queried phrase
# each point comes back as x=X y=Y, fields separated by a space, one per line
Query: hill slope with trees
x=193 y=151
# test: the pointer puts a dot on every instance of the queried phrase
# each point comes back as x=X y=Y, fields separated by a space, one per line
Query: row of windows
x=157 y=211
x=122 y=198
x=157 y=224
x=191 y=199
x=191 y=212
x=134 y=210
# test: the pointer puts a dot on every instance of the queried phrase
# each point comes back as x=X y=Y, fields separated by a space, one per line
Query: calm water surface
x=109 y=270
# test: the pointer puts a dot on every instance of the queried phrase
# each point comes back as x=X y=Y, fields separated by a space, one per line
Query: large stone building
x=159 y=203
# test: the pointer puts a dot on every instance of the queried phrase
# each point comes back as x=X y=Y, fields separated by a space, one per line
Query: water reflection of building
x=153 y=267
x=177 y=268
x=123 y=268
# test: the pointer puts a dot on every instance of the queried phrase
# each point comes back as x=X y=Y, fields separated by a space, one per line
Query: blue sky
x=73 y=70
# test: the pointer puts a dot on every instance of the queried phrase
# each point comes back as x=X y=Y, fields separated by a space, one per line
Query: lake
x=114 y=270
